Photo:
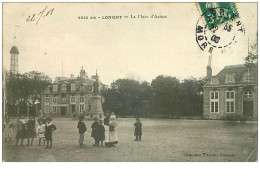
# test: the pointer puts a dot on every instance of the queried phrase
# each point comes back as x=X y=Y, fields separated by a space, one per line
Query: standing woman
x=21 y=130
x=111 y=139
x=106 y=125
x=8 y=131
x=31 y=131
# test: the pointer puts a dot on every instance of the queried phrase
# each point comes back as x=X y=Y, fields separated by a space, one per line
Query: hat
x=48 y=119
x=40 y=119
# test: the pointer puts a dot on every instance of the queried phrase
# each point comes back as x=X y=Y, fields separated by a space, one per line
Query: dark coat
x=106 y=121
x=31 y=131
x=82 y=127
x=100 y=132
x=21 y=130
x=94 y=128
x=48 y=131
x=138 y=128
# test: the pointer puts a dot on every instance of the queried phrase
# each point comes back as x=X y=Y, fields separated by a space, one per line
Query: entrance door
x=62 y=111
x=248 y=108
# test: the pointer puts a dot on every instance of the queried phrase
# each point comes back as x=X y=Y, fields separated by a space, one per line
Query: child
x=31 y=131
x=94 y=132
x=82 y=129
x=41 y=131
x=101 y=133
x=21 y=130
x=138 y=129
x=49 y=128
x=8 y=131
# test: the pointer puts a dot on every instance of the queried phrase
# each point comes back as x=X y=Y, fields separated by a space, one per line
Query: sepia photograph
x=130 y=82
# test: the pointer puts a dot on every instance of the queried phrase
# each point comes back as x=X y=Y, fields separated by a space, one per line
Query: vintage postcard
x=130 y=82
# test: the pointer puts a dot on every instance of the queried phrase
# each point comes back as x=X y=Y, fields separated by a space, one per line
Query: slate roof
x=238 y=70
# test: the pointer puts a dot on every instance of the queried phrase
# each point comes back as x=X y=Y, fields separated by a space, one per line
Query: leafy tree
x=166 y=95
x=24 y=89
x=127 y=97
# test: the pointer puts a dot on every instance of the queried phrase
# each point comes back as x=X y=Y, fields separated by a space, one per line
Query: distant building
x=73 y=96
x=14 y=60
x=233 y=91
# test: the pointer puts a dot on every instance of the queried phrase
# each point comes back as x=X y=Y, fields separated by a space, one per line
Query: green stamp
x=216 y=13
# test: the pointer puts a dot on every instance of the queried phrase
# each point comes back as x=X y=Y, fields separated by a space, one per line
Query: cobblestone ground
x=164 y=140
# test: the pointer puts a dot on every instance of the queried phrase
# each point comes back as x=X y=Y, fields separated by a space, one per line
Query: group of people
x=100 y=132
x=26 y=129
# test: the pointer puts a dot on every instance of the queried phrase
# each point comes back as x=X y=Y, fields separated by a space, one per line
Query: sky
x=117 y=48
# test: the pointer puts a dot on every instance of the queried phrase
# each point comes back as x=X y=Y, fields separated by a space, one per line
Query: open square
x=164 y=140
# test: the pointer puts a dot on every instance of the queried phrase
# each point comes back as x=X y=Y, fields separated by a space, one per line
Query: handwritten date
x=37 y=17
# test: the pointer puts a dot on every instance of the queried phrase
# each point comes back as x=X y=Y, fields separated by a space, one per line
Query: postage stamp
x=218 y=13
x=218 y=27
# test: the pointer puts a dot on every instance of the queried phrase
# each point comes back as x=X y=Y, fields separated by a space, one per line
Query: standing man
x=82 y=129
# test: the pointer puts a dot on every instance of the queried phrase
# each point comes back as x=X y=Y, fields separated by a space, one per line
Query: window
x=214 y=102
x=72 y=100
x=248 y=95
x=82 y=99
x=55 y=88
x=82 y=88
x=46 y=108
x=81 y=108
x=63 y=87
x=54 y=100
x=81 y=104
x=248 y=77
x=230 y=77
x=73 y=86
x=47 y=100
x=230 y=101
x=73 y=108
x=54 y=108
x=47 y=90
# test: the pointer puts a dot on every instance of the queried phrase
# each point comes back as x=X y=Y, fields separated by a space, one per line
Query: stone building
x=232 y=92
x=67 y=97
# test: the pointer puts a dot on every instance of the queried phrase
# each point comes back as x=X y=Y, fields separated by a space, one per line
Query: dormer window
x=230 y=77
x=63 y=87
x=214 y=81
x=73 y=86
x=55 y=88
x=82 y=88
x=248 y=77
x=47 y=90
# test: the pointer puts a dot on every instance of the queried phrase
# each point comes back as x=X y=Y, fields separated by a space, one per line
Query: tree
x=252 y=56
x=24 y=90
x=127 y=97
x=192 y=100
x=166 y=95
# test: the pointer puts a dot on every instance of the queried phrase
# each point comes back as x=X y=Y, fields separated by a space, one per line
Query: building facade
x=67 y=97
x=232 y=92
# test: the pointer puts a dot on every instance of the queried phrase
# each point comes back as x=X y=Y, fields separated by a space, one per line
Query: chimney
x=83 y=73
x=209 y=69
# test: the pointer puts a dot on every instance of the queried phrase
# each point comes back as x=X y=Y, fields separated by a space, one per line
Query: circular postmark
x=217 y=29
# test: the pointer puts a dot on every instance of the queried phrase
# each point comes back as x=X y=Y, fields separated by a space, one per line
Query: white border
x=128 y=170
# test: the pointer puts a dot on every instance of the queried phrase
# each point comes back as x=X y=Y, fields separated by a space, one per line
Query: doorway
x=248 y=108
x=62 y=111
